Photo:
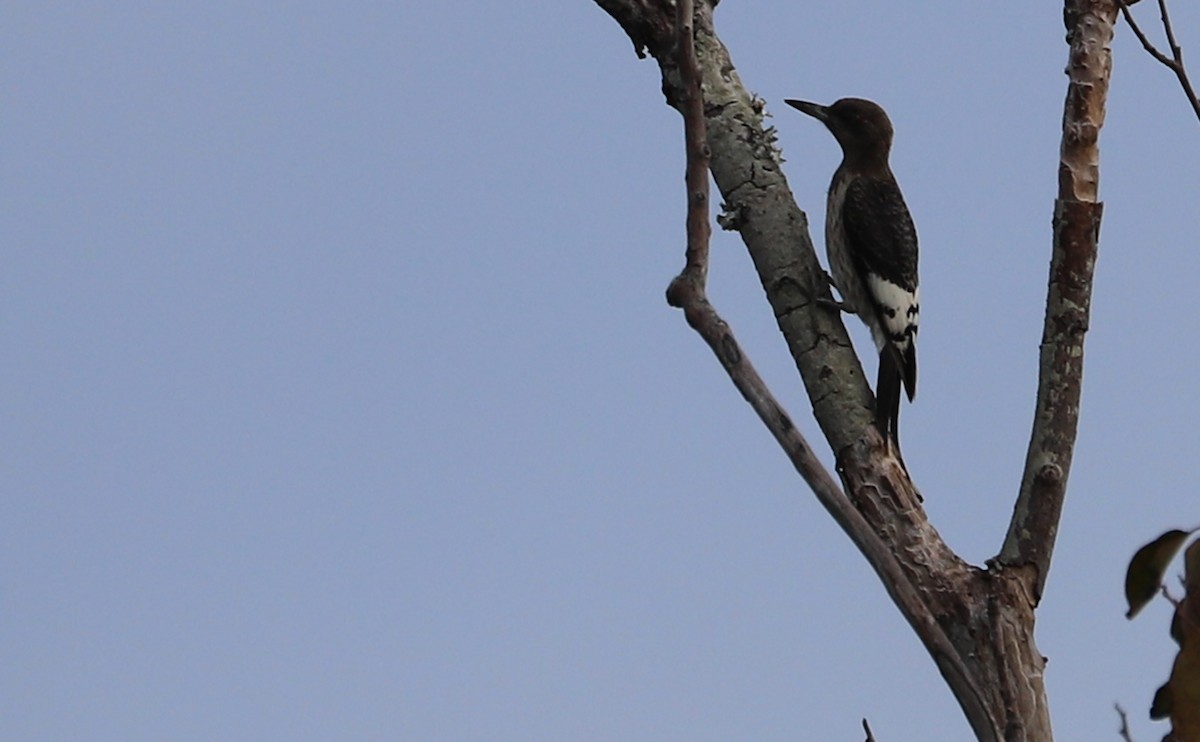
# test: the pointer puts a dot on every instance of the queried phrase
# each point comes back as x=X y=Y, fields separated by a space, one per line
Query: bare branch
x=1034 y=525
x=1173 y=62
x=977 y=625
x=892 y=491
x=1141 y=36
x=688 y=290
x=1176 y=52
x=1124 y=730
x=867 y=729
x=649 y=26
x=695 y=131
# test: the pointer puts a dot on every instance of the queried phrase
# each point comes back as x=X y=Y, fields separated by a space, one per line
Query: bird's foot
x=839 y=306
x=834 y=304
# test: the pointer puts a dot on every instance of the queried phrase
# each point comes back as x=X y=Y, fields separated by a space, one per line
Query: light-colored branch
x=885 y=523
x=759 y=204
x=1029 y=543
x=688 y=291
x=1173 y=62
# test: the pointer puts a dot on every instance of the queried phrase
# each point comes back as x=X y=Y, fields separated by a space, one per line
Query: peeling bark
x=1034 y=526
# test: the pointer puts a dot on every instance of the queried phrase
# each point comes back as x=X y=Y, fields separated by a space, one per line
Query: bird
x=871 y=243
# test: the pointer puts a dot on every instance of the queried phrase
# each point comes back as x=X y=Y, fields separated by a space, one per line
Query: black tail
x=887 y=394
x=910 y=368
x=897 y=370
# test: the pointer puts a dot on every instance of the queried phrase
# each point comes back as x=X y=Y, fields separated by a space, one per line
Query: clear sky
x=341 y=399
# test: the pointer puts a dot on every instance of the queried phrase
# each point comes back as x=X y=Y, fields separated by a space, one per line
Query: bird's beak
x=817 y=111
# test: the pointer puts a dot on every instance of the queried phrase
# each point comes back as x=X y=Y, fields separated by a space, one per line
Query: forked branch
x=976 y=624
x=891 y=489
x=1173 y=62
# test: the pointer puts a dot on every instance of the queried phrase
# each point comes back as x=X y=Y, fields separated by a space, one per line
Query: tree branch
x=1124 y=730
x=759 y=204
x=867 y=729
x=688 y=291
x=691 y=283
x=1173 y=62
x=873 y=522
x=977 y=625
x=1033 y=529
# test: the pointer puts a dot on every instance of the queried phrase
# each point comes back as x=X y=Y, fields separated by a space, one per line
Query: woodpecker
x=872 y=248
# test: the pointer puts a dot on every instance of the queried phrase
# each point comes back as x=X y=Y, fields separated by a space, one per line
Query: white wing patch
x=899 y=309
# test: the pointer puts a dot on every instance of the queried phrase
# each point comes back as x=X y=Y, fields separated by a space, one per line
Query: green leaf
x=1146 y=569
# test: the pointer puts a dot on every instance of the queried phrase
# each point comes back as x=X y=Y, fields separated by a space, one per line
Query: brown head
x=860 y=126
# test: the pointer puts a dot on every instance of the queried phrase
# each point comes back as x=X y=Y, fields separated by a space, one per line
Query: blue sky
x=343 y=401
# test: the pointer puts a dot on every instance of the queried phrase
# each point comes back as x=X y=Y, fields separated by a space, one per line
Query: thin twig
x=695 y=129
x=1173 y=62
x=1176 y=52
x=1141 y=36
x=1124 y=730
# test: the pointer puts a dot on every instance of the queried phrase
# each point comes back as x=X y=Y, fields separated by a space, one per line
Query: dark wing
x=882 y=242
x=880 y=234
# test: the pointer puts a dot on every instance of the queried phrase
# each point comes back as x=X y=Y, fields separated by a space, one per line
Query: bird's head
x=860 y=126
